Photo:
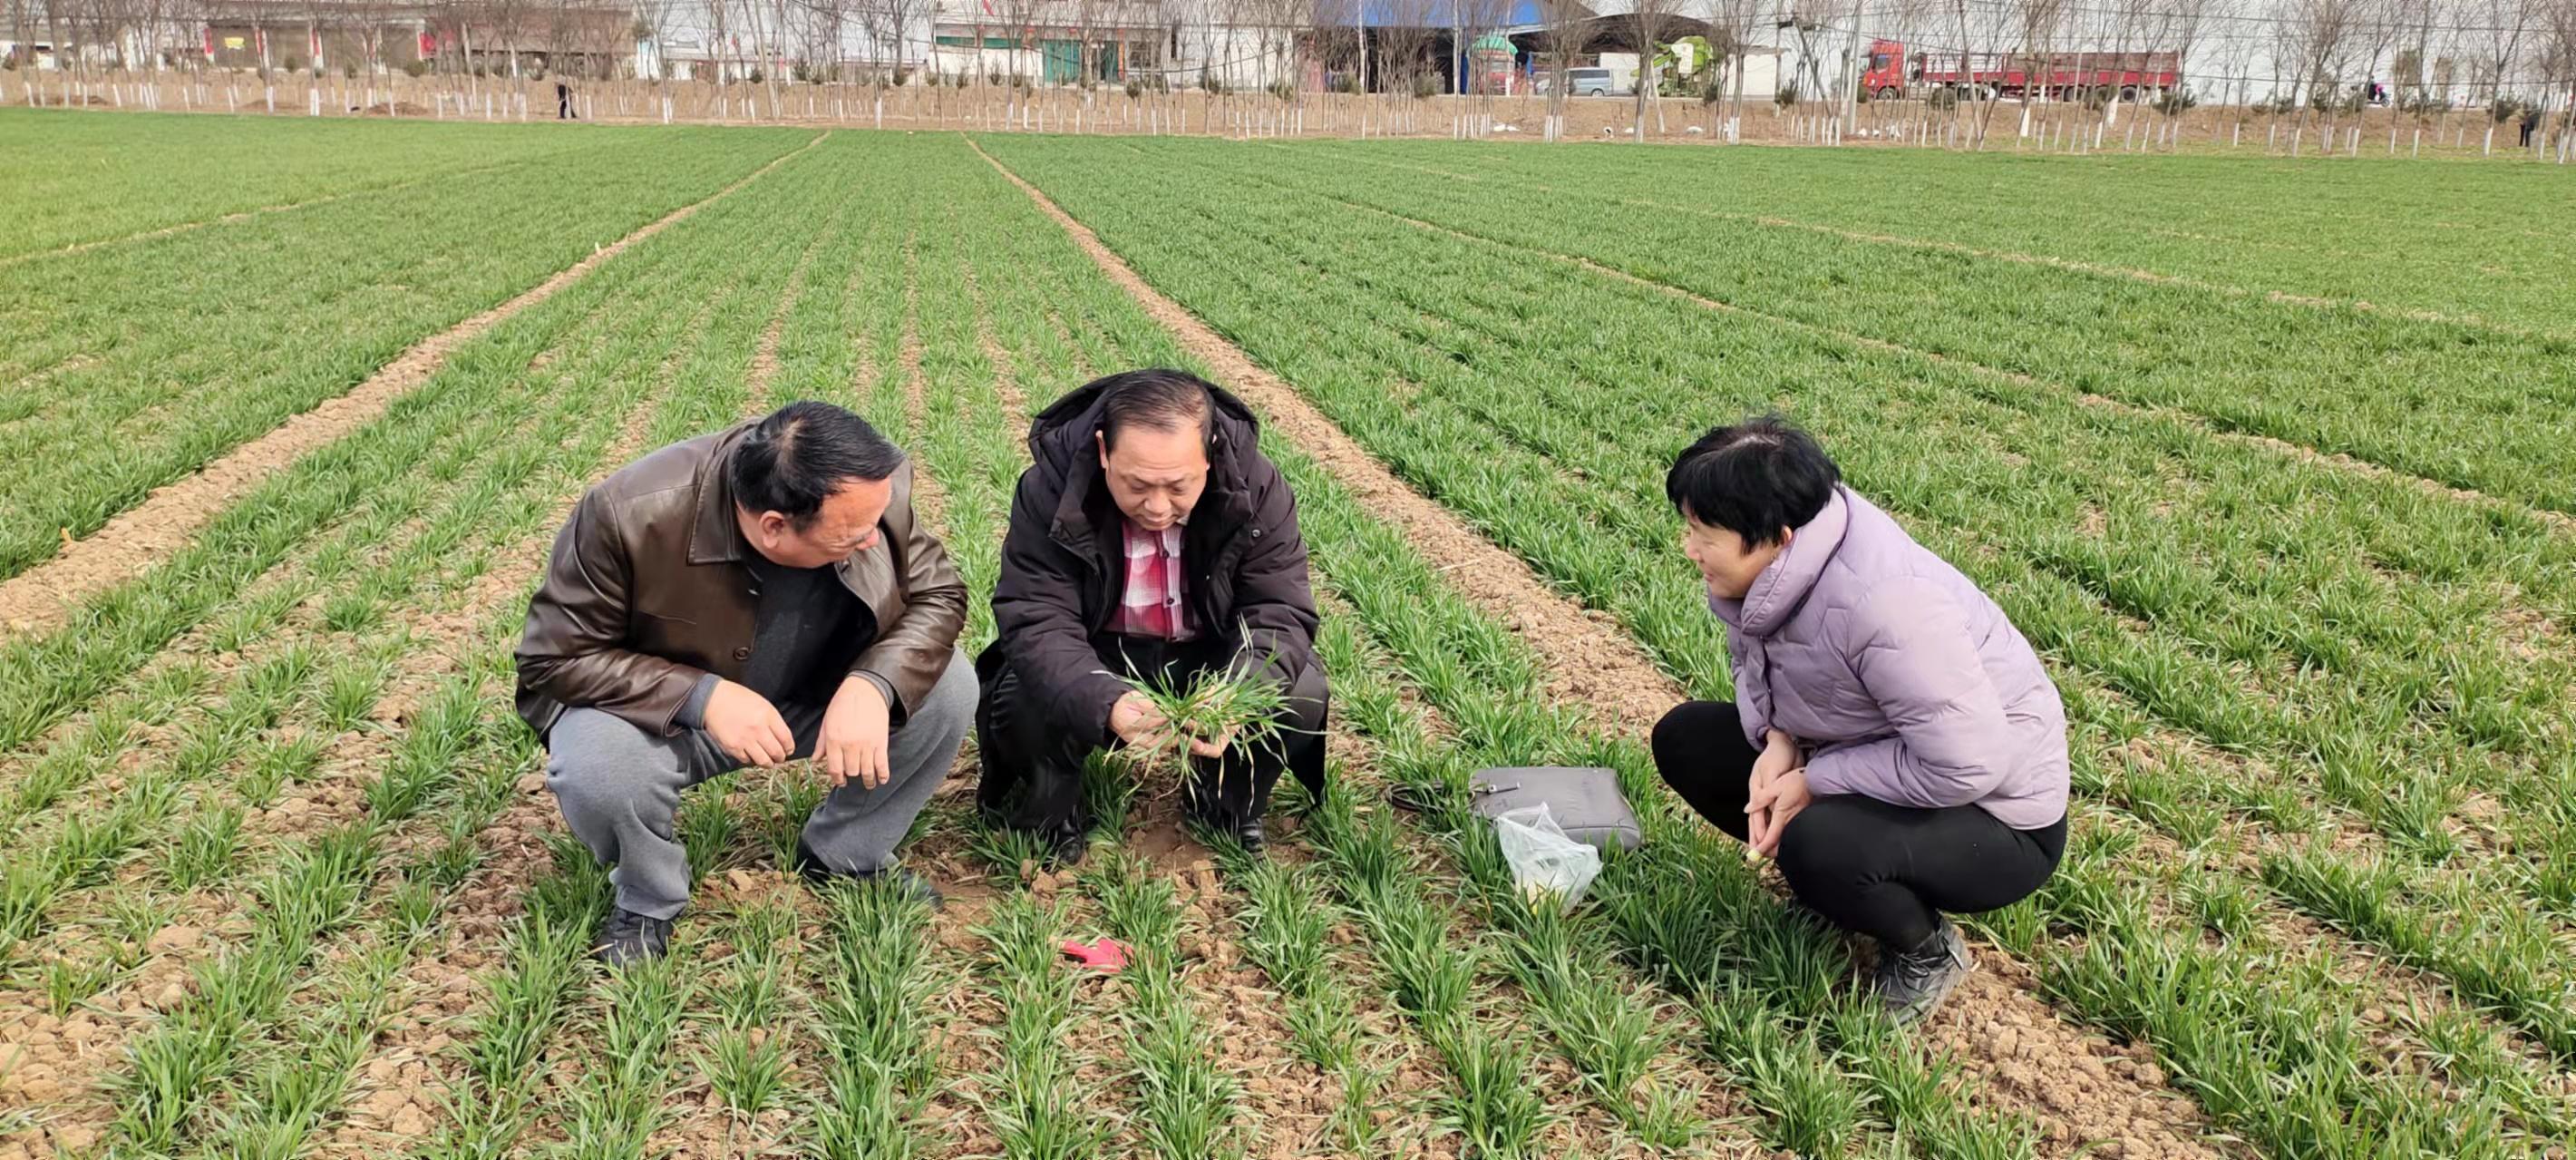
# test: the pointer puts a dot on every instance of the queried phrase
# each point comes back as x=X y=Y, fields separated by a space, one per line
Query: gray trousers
x=619 y=787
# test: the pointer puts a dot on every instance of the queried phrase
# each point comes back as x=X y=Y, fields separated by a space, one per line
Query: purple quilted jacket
x=1902 y=679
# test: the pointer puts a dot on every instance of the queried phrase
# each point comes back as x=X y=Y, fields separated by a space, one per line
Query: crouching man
x=750 y=597
x=1148 y=539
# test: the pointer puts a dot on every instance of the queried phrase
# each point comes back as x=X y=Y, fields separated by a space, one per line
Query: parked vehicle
x=1592 y=82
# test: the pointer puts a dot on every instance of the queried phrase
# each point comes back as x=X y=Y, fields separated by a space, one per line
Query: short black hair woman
x=1894 y=742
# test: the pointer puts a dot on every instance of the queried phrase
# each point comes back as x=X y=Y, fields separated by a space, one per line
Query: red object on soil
x=1107 y=954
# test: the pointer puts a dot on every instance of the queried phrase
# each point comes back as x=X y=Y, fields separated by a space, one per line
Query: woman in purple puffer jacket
x=1894 y=742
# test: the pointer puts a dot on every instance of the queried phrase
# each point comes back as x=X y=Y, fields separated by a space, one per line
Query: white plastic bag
x=1545 y=863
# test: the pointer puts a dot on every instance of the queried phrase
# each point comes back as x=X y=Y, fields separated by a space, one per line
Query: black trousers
x=1886 y=871
x=1032 y=773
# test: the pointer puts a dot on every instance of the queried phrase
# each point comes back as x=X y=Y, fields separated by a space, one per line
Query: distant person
x=563 y=102
x=2530 y=125
x=749 y=597
x=1148 y=538
x=1894 y=741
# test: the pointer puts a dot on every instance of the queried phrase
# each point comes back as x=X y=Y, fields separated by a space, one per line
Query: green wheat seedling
x=1037 y=1105
x=1492 y=1105
x=1006 y=850
x=1189 y=1107
x=271 y=766
x=350 y=692
x=133 y=915
x=755 y=987
x=204 y=850
x=747 y=1070
x=51 y=675
x=875 y=1015
x=1208 y=704
x=69 y=981
x=302 y=1075
x=781 y=805
x=1109 y=788
x=708 y=826
x=1287 y=927
x=1813 y=1113
x=259 y=614
x=1432 y=975
x=619 y=1104
x=244 y=380
x=262 y=690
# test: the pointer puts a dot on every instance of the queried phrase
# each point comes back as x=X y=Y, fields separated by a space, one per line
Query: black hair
x=1158 y=397
x=1752 y=478
x=802 y=453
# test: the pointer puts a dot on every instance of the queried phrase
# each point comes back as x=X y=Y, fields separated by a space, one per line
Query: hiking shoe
x=810 y=864
x=1250 y=837
x=909 y=884
x=1914 y=982
x=628 y=937
x=1066 y=843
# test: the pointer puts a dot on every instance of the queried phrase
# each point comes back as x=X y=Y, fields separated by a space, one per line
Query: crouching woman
x=1894 y=741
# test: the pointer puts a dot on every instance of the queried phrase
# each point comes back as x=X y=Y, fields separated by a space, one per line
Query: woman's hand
x=1779 y=755
x=1771 y=808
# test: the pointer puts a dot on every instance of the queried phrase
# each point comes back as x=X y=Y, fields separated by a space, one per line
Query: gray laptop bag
x=1585 y=802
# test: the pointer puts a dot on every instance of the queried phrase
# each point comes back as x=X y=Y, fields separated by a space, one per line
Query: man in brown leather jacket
x=750 y=597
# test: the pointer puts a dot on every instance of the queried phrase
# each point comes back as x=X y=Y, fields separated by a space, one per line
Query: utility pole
x=1852 y=58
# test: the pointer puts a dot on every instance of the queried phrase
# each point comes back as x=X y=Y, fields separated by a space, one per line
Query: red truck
x=1894 y=72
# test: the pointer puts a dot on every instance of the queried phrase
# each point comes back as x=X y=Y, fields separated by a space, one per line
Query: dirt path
x=2081 y=1090
x=764 y=356
x=42 y=597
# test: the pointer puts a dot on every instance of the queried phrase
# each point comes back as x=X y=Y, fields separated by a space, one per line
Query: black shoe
x=1914 y=982
x=810 y=864
x=1249 y=836
x=1066 y=844
x=628 y=937
x=909 y=884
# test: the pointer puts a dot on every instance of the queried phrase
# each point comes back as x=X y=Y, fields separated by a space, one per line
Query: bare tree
x=1806 y=20
x=1650 y=20
x=2508 y=26
x=1019 y=19
x=2187 y=31
x=1333 y=37
x=22 y=52
x=1405 y=42
x=888 y=23
x=1566 y=23
x=2558 y=67
x=2314 y=41
x=1475 y=21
